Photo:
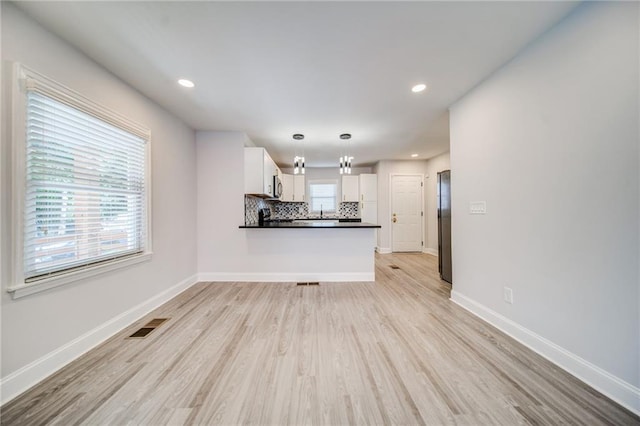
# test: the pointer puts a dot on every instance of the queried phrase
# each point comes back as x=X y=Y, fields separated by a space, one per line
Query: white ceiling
x=272 y=69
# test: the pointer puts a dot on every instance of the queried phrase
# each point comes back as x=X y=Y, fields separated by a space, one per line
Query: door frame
x=422 y=206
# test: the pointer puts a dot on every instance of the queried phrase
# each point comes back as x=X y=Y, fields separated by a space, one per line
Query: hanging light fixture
x=345 y=160
x=298 y=161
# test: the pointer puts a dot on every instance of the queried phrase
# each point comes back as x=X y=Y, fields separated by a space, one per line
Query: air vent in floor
x=311 y=283
x=143 y=332
x=148 y=328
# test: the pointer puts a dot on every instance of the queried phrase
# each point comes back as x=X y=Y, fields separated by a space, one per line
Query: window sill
x=22 y=290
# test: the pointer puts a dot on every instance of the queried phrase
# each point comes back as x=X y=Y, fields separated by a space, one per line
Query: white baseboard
x=613 y=387
x=433 y=252
x=383 y=250
x=286 y=276
x=22 y=379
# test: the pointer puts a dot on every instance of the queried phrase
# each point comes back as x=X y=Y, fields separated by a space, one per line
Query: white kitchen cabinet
x=368 y=197
x=299 y=188
x=259 y=170
x=350 y=190
x=293 y=188
x=368 y=187
x=369 y=212
x=287 y=187
x=269 y=172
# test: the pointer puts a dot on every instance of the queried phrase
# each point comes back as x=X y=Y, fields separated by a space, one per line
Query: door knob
x=395 y=220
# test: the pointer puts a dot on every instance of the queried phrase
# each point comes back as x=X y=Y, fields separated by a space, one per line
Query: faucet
x=320 y=211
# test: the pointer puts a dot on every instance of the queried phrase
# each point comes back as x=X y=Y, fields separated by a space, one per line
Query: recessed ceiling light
x=186 y=83
x=414 y=155
x=418 y=88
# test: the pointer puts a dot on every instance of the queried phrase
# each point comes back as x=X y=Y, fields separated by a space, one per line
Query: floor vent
x=311 y=283
x=143 y=332
x=148 y=328
x=394 y=267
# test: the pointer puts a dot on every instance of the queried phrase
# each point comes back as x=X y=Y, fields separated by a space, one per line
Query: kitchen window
x=323 y=195
x=82 y=180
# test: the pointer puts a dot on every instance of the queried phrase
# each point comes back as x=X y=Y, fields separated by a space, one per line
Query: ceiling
x=271 y=69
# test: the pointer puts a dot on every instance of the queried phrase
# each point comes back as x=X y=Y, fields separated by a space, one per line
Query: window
x=322 y=196
x=84 y=183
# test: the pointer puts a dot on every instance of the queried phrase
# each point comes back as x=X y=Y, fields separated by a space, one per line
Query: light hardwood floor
x=396 y=351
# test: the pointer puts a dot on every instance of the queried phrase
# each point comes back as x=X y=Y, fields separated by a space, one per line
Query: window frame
x=323 y=182
x=23 y=79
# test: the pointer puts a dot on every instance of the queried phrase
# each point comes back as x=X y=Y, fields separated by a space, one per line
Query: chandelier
x=346 y=159
x=298 y=160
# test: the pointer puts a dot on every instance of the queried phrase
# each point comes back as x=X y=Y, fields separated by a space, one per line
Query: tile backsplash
x=291 y=210
x=300 y=210
x=348 y=210
x=251 y=206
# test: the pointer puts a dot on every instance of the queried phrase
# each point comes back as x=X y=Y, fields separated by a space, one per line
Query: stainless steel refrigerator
x=444 y=225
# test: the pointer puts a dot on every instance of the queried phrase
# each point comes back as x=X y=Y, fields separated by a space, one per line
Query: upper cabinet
x=350 y=191
x=368 y=187
x=293 y=188
x=287 y=187
x=259 y=171
x=299 y=188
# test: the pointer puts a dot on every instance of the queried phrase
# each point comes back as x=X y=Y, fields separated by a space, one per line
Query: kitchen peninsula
x=288 y=240
x=297 y=224
x=314 y=251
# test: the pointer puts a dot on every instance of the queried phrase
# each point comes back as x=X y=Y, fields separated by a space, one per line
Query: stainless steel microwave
x=277 y=187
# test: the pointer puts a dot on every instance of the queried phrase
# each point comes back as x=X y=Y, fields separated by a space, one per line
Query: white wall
x=434 y=165
x=35 y=326
x=550 y=142
x=220 y=206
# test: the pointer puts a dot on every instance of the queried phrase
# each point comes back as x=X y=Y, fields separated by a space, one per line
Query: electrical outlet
x=508 y=295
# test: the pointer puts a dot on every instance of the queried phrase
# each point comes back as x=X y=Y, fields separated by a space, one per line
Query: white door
x=406 y=213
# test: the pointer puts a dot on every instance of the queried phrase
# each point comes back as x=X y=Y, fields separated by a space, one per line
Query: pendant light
x=298 y=161
x=345 y=160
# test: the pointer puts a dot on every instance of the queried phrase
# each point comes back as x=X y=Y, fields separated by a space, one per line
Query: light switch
x=477 y=207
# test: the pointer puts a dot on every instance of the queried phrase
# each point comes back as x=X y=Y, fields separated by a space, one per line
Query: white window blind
x=85 y=199
x=322 y=196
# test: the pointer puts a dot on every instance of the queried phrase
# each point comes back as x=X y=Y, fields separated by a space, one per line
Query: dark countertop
x=342 y=219
x=311 y=224
x=325 y=218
